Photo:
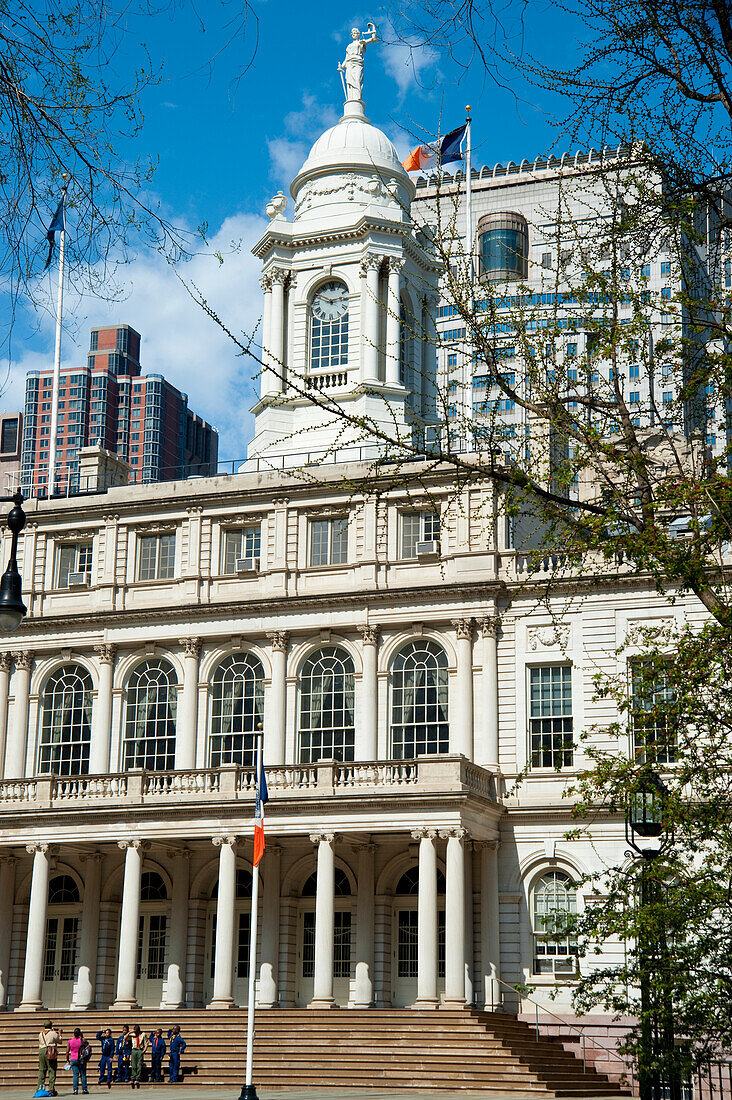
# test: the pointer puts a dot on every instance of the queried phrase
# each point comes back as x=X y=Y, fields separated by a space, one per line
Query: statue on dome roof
x=352 y=64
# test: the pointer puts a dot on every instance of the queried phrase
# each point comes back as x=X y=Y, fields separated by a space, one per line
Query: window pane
x=66 y=722
x=419 y=701
x=236 y=710
x=150 y=703
x=550 y=723
x=66 y=565
x=148 y=558
x=654 y=736
x=166 y=558
x=327 y=725
x=319 y=542
x=411 y=533
x=339 y=541
x=555 y=902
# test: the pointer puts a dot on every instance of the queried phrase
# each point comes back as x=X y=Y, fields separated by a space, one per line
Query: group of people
x=129 y=1050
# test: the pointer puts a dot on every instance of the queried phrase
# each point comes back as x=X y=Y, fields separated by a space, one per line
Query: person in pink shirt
x=78 y=1065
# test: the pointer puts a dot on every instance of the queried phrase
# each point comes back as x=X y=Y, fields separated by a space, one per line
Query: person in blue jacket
x=157 y=1053
x=123 y=1048
x=105 y=1062
x=177 y=1046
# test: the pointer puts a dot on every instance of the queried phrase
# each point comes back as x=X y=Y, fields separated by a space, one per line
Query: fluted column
x=175 y=986
x=86 y=977
x=270 y=950
x=324 y=921
x=366 y=730
x=277 y=330
x=461 y=719
x=490 y=940
x=455 y=918
x=393 y=303
x=6 y=660
x=17 y=742
x=127 y=967
x=7 y=898
x=266 y=377
x=187 y=725
x=275 y=725
x=427 y=920
x=36 y=942
x=490 y=627
x=102 y=722
x=364 y=993
x=225 y=906
x=370 y=318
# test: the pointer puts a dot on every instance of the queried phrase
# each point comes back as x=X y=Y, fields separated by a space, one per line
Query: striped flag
x=262 y=797
x=444 y=151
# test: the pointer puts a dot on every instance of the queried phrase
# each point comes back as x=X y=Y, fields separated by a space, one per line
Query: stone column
x=490 y=627
x=461 y=719
x=366 y=732
x=324 y=921
x=187 y=724
x=273 y=747
x=455 y=919
x=225 y=905
x=6 y=660
x=129 y=923
x=364 y=995
x=370 y=318
x=7 y=898
x=277 y=331
x=490 y=938
x=266 y=378
x=15 y=749
x=393 y=304
x=102 y=724
x=36 y=942
x=175 y=986
x=427 y=920
x=270 y=950
x=86 y=978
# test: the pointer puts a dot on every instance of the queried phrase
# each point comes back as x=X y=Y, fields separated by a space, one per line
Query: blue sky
x=226 y=145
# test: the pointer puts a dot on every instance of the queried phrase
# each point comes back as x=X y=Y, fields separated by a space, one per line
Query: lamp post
x=645 y=820
x=12 y=608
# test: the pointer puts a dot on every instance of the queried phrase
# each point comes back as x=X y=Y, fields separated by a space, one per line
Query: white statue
x=352 y=64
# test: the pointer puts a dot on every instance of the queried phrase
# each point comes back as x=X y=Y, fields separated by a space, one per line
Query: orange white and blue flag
x=262 y=797
x=443 y=151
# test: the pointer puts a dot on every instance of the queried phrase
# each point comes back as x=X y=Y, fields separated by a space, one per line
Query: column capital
x=324 y=838
x=178 y=853
x=424 y=834
x=279 y=640
x=278 y=275
x=369 y=634
x=266 y=283
x=133 y=842
x=431 y=301
x=457 y=833
x=396 y=264
x=371 y=261
x=367 y=849
x=24 y=660
x=8 y=861
x=106 y=653
x=191 y=647
x=220 y=841
x=6 y=660
x=490 y=626
x=90 y=857
x=42 y=846
x=463 y=628
x=487 y=845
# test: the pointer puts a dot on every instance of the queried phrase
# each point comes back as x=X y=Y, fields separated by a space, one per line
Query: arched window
x=152 y=692
x=243 y=885
x=326 y=706
x=62 y=890
x=503 y=246
x=408 y=885
x=152 y=887
x=66 y=725
x=419 y=718
x=554 y=905
x=342 y=887
x=236 y=710
x=329 y=327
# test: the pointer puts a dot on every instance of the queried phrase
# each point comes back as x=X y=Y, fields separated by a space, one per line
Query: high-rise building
x=11 y=432
x=143 y=418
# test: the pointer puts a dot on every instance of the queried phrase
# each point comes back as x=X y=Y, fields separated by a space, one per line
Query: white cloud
x=301 y=128
x=408 y=61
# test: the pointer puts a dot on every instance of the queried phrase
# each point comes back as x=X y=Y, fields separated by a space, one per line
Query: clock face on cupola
x=331 y=302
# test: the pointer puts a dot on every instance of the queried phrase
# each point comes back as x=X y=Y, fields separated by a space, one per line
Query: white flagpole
x=469 y=201
x=57 y=355
x=249 y=1092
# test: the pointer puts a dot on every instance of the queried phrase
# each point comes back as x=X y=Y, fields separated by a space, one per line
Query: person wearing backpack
x=76 y=1049
x=48 y=1041
x=105 y=1062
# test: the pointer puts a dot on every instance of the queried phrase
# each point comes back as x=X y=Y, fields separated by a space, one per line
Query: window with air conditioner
x=420 y=534
x=241 y=549
x=73 y=564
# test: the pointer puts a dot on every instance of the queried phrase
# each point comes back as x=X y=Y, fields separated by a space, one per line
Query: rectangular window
x=418 y=527
x=9 y=436
x=308 y=944
x=634 y=371
x=666 y=292
x=546 y=259
x=634 y=398
x=651 y=725
x=667 y=397
x=94 y=341
x=550 y=721
x=645 y=271
x=666 y=267
x=329 y=541
x=240 y=544
x=342 y=945
x=156 y=557
x=452 y=360
x=73 y=560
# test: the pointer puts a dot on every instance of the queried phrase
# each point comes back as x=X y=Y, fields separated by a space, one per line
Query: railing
x=326 y=381
x=438 y=775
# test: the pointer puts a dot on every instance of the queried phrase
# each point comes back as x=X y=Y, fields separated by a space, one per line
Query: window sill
x=151 y=583
x=325 y=568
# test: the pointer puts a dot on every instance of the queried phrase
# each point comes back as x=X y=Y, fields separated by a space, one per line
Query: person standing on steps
x=48 y=1040
x=75 y=1060
x=177 y=1046
x=137 y=1055
x=157 y=1053
x=123 y=1048
x=106 y=1063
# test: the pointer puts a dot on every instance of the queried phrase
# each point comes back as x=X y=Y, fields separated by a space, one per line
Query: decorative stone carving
x=325 y=838
x=418 y=834
x=456 y=831
x=156 y=528
x=397 y=264
x=178 y=853
x=463 y=628
x=6 y=661
x=31 y=849
x=219 y=841
x=277 y=206
x=547 y=636
x=490 y=626
x=370 y=635
x=141 y=845
x=278 y=275
x=24 y=660
x=90 y=857
x=352 y=64
x=370 y=262
x=266 y=283
x=191 y=647
x=349 y=186
x=279 y=639
x=106 y=653
x=638 y=629
x=8 y=861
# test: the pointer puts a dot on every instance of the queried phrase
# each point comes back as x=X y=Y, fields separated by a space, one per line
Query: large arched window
x=152 y=691
x=419 y=716
x=236 y=710
x=66 y=724
x=554 y=904
x=62 y=890
x=326 y=706
x=329 y=327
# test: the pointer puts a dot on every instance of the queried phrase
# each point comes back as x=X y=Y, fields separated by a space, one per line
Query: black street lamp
x=646 y=819
x=12 y=608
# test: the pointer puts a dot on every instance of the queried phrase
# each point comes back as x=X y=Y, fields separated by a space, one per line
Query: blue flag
x=58 y=225
x=450 y=146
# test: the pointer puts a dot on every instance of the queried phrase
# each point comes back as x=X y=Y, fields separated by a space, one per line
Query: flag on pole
x=445 y=151
x=58 y=225
x=262 y=797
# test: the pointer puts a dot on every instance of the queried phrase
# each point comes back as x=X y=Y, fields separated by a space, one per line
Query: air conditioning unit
x=427 y=549
x=78 y=580
x=247 y=565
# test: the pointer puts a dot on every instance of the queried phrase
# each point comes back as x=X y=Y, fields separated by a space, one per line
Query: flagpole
x=57 y=356
x=469 y=200
x=249 y=1091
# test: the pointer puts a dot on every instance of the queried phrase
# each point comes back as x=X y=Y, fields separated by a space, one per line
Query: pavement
x=194 y=1092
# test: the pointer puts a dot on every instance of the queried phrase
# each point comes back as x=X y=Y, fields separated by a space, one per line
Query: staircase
x=395 y=1048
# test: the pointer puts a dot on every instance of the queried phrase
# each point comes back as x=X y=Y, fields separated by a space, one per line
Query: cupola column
x=393 y=303
x=267 y=378
x=277 y=330
x=370 y=313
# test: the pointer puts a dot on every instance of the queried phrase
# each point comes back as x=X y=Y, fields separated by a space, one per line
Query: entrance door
x=404 y=956
x=341 y=956
x=240 y=985
x=151 y=943
x=59 y=961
